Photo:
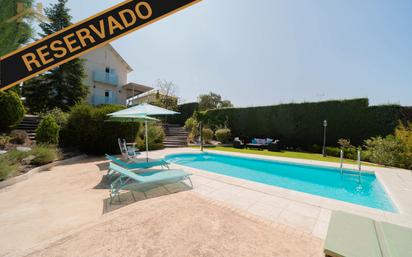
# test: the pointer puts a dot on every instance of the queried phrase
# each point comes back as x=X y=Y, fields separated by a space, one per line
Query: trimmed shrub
x=191 y=124
x=207 y=135
x=11 y=109
x=156 y=136
x=223 y=135
x=44 y=154
x=59 y=116
x=300 y=125
x=4 y=140
x=389 y=151
x=333 y=151
x=48 y=131
x=344 y=143
x=89 y=130
x=19 y=137
x=404 y=133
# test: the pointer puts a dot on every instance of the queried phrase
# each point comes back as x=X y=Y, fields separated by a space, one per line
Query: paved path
x=50 y=203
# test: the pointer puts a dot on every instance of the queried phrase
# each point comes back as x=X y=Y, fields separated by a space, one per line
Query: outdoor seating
x=130 y=181
x=353 y=235
x=275 y=146
x=259 y=143
x=237 y=143
x=128 y=150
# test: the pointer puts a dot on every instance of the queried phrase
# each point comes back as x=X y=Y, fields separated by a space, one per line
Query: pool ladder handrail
x=341 y=161
x=359 y=164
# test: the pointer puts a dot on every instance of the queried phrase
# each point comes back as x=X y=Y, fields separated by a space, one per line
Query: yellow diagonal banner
x=83 y=37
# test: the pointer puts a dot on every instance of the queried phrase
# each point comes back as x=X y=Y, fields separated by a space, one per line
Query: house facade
x=107 y=79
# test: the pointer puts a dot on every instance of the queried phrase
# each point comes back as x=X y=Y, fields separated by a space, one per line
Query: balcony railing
x=105 y=77
x=98 y=99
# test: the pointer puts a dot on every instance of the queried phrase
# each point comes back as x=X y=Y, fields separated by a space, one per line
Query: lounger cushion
x=261 y=141
x=397 y=240
x=352 y=236
x=137 y=165
x=149 y=177
x=355 y=236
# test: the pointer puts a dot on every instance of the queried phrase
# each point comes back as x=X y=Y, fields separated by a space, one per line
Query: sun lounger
x=355 y=236
x=130 y=181
x=139 y=165
x=135 y=166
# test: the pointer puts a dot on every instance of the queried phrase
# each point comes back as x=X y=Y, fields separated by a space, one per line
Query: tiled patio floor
x=309 y=213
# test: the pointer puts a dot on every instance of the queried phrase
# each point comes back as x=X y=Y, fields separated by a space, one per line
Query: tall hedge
x=301 y=125
x=186 y=111
x=88 y=130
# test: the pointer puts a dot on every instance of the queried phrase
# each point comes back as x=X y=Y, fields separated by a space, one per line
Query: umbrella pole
x=147 y=142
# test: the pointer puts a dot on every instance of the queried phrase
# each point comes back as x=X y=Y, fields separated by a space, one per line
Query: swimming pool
x=317 y=180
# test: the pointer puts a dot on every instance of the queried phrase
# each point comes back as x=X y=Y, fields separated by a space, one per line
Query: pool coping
x=390 y=178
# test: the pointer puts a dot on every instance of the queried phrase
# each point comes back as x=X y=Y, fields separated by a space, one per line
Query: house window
x=107 y=70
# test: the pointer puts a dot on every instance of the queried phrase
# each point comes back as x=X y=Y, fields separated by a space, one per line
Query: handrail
x=341 y=161
x=359 y=165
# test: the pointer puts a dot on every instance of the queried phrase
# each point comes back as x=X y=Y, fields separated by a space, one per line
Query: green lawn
x=287 y=154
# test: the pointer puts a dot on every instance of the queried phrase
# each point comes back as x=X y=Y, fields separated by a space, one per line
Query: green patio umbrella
x=142 y=111
x=134 y=118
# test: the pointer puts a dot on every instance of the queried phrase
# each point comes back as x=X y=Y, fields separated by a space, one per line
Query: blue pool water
x=317 y=180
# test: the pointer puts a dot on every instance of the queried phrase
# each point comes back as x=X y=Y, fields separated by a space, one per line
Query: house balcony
x=105 y=77
x=102 y=99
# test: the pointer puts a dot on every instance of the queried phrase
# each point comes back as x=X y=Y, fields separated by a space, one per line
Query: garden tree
x=212 y=101
x=63 y=86
x=15 y=33
x=166 y=95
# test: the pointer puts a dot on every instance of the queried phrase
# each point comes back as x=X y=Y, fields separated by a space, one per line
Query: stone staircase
x=176 y=136
x=29 y=124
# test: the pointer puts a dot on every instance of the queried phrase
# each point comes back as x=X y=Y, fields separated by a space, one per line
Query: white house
x=107 y=77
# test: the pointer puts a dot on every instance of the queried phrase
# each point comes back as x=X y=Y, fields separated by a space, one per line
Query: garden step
x=176 y=131
x=29 y=124
x=174 y=146
x=175 y=142
x=176 y=136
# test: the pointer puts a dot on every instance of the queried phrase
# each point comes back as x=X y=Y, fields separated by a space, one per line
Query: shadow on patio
x=144 y=193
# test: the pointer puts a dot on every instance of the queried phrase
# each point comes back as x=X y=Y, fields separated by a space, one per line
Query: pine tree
x=61 y=87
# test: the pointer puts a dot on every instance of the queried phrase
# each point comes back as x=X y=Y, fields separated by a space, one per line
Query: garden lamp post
x=325 y=124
